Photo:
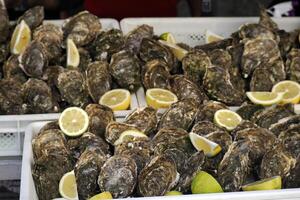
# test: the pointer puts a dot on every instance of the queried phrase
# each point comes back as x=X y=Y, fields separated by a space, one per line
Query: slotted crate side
x=192 y=30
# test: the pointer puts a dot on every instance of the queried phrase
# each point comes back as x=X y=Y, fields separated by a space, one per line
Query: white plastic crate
x=192 y=30
x=28 y=191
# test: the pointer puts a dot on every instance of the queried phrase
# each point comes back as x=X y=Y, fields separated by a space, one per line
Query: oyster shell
x=235 y=161
x=144 y=119
x=72 y=87
x=50 y=126
x=158 y=177
x=156 y=75
x=284 y=124
x=194 y=65
x=115 y=129
x=245 y=124
x=221 y=44
x=247 y=110
x=118 y=176
x=82 y=28
x=288 y=40
x=293 y=65
x=33 y=17
x=205 y=127
x=12 y=70
x=87 y=170
x=217 y=84
x=220 y=57
x=207 y=111
x=4 y=51
x=37 y=97
x=85 y=59
x=125 y=69
x=4 y=22
x=134 y=38
x=34 y=59
x=98 y=79
x=180 y=115
x=178 y=156
x=186 y=89
x=291 y=140
x=152 y=49
x=258 y=31
x=293 y=179
x=107 y=43
x=99 y=117
x=11 y=101
x=266 y=21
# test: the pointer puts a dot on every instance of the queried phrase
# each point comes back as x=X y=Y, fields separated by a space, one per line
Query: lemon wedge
x=272 y=183
x=290 y=90
x=101 y=196
x=160 y=98
x=209 y=147
x=117 y=99
x=73 y=121
x=21 y=37
x=68 y=187
x=212 y=37
x=177 y=50
x=173 y=193
x=203 y=183
x=168 y=37
x=265 y=98
x=227 y=119
x=73 y=57
x=129 y=133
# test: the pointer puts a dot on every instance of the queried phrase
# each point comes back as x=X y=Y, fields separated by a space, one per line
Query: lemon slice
x=265 y=98
x=227 y=119
x=291 y=90
x=203 y=182
x=129 y=133
x=21 y=37
x=173 y=193
x=160 y=98
x=273 y=183
x=73 y=58
x=177 y=50
x=117 y=99
x=168 y=37
x=73 y=121
x=212 y=37
x=103 y=195
x=209 y=147
x=68 y=187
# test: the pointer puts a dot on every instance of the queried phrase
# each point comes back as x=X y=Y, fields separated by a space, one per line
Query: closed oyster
x=247 y=110
x=11 y=69
x=207 y=111
x=253 y=31
x=98 y=79
x=144 y=119
x=125 y=69
x=82 y=28
x=284 y=124
x=134 y=38
x=220 y=57
x=293 y=179
x=194 y=65
x=72 y=88
x=11 y=101
x=205 y=127
x=87 y=170
x=50 y=126
x=180 y=115
x=158 y=177
x=85 y=59
x=115 y=129
x=245 y=124
x=186 y=89
x=152 y=49
x=291 y=140
x=156 y=75
x=118 y=176
x=221 y=44
x=179 y=156
x=52 y=37
x=51 y=161
x=288 y=41
x=266 y=21
x=4 y=22
x=33 y=17
x=37 y=97
x=4 y=51
x=234 y=167
x=293 y=65
x=99 y=117
x=107 y=43
x=217 y=84
x=34 y=59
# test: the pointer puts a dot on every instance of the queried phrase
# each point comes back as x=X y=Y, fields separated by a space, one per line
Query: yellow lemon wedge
x=177 y=50
x=21 y=37
x=117 y=99
x=173 y=193
x=227 y=119
x=290 y=90
x=209 y=147
x=73 y=57
x=168 y=37
x=203 y=183
x=101 y=196
x=212 y=37
x=265 y=98
x=273 y=183
x=68 y=187
x=160 y=98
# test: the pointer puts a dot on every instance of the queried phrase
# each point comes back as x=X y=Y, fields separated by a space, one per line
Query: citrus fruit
x=173 y=193
x=73 y=58
x=203 y=182
x=290 y=90
x=227 y=119
x=272 y=183
x=21 y=37
x=129 y=133
x=177 y=50
x=117 y=99
x=67 y=186
x=212 y=37
x=168 y=37
x=209 y=147
x=160 y=98
x=102 y=195
x=265 y=98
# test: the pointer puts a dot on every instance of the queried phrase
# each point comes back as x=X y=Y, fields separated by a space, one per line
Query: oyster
x=82 y=28
x=4 y=51
x=152 y=49
x=85 y=59
x=87 y=170
x=207 y=111
x=98 y=79
x=293 y=65
x=99 y=117
x=272 y=115
x=288 y=41
x=12 y=70
x=180 y=115
x=144 y=119
x=284 y=124
x=156 y=75
x=186 y=89
x=125 y=69
x=217 y=84
x=205 y=127
x=37 y=97
x=107 y=43
x=178 y=156
x=194 y=65
x=266 y=21
x=134 y=38
x=293 y=179
x=247 y=110
x=158 y=177
x=115 y=129
x=118 y=176
x=221 y=44
x=34 y=59
x=11 y=101
x=255 y=31
x=33 y=17
x=245 y=124
x=291 y=140
x=50 y=126
x=52 y=37
x=234 y=167
x=220 y=57
x=72 y=87
x=4 y=22
x=52 y=161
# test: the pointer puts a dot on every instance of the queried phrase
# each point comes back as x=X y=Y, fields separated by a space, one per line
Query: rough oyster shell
x=118 y=176
x=11 y=69
x=291 y=140
x=115 y=129
x=284 y=124
x=252 y=31
x=4 y=22
x=293 y=179
x=293 y=65
x=205 y=127
x=221 y=44
x=50 y=126
x=33 y=17
x=207 y=111
x=247 y=110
